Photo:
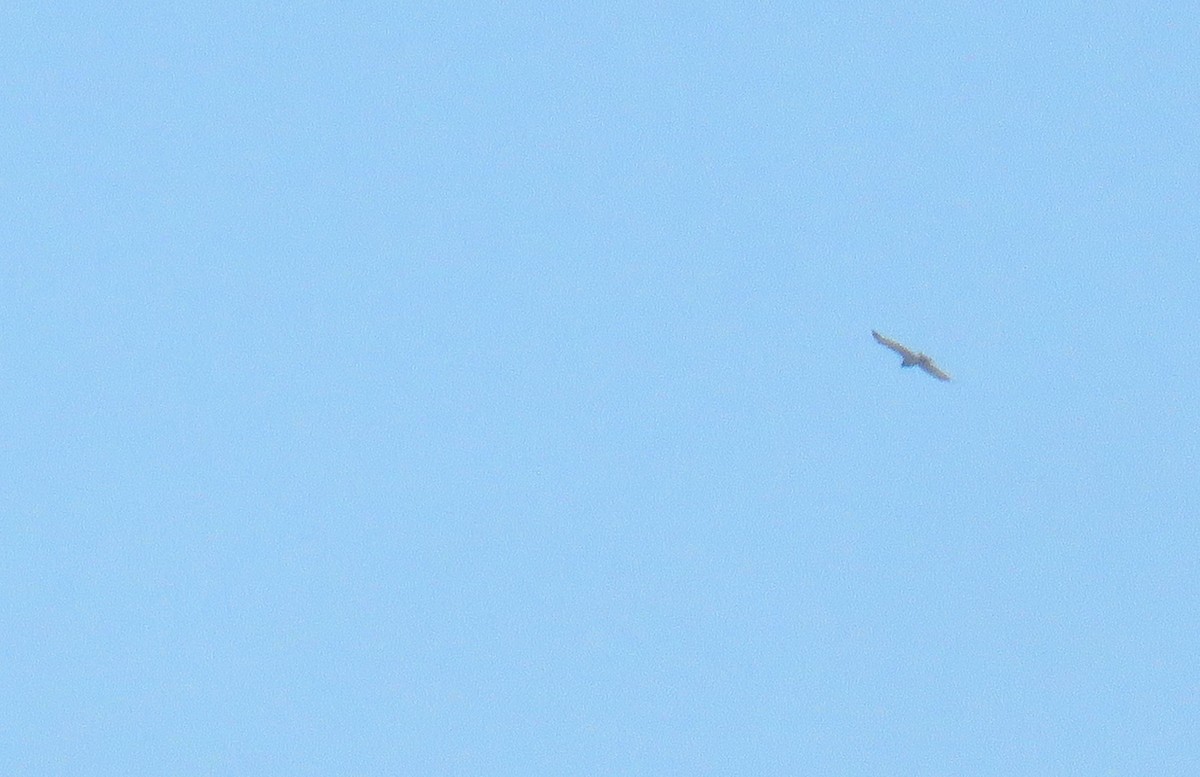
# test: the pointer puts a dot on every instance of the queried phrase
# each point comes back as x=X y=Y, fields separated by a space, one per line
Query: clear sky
x=487 y=388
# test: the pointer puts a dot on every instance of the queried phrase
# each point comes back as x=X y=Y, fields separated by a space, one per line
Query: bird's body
x=910 y=358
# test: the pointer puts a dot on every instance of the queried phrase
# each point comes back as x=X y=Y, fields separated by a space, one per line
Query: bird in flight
x=911 y=358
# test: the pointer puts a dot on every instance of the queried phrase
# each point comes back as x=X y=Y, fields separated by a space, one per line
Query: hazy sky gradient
x=488 y=388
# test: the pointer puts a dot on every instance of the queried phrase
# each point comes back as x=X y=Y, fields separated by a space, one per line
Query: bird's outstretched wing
x=910 y=357
x=933 y=369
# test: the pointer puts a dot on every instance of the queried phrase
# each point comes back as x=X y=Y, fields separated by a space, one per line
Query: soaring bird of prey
x=911 y=358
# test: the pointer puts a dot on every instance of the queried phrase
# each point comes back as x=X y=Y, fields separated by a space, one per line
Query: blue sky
x=488 y=388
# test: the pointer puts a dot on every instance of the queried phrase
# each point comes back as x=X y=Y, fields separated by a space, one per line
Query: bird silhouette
x=910 y=358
